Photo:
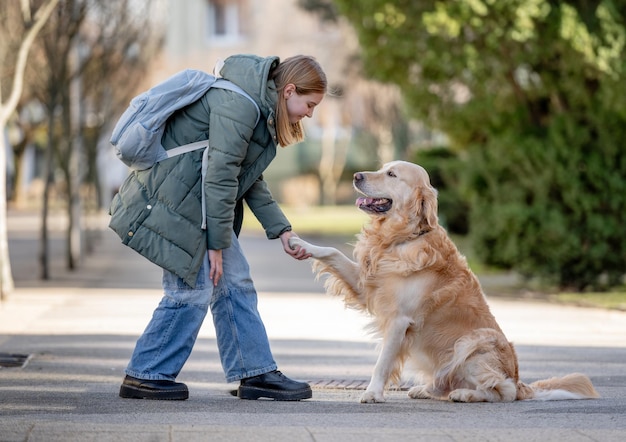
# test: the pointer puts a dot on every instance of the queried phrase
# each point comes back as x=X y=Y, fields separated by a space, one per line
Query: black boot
x=274 y=385
x=147 y=389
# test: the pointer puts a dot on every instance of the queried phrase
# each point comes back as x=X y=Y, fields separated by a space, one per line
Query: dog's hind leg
x=504 y=391
x=484 y=380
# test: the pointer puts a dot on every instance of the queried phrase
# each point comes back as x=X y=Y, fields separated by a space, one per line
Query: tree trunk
x=6 y=277
x=35 y=25
x=44 y=253
x=334 y=153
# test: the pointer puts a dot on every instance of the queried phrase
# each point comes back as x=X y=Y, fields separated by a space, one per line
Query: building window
x=226 y=20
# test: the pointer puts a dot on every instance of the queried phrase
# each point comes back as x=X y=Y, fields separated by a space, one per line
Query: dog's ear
x=427 y=207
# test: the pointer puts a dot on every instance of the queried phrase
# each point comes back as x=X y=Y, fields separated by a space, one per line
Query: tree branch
x=41 y=17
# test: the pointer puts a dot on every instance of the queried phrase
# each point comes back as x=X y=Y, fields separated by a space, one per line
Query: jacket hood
x=251 y=72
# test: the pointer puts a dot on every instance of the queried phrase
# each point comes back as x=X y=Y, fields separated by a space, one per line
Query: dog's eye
x=391 y=174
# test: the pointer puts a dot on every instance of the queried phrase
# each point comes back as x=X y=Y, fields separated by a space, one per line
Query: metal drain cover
x=351 y=384
x=12 y=360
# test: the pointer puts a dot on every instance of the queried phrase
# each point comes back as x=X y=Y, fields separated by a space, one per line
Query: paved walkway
x=79 y=330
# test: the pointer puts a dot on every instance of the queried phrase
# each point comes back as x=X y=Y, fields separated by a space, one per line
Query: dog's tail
x=572 y=386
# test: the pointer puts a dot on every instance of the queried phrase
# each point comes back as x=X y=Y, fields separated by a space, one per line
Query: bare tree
x=32 y=25
x=121 y=51
x=380 y=108
x=334 y=150
x=60 y=49
x=93 y=58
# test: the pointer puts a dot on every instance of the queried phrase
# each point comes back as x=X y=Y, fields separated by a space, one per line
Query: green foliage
x=551 y=206
x=533 y=91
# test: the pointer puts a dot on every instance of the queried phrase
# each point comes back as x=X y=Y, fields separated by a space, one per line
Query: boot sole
x=253 y=393
x=130 y=392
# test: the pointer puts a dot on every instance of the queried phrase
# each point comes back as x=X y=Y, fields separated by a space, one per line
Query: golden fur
x=427 y=305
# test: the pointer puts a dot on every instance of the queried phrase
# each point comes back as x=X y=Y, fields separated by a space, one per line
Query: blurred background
x=516 y=109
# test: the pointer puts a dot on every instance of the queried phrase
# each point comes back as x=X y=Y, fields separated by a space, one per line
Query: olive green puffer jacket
x=158 y=211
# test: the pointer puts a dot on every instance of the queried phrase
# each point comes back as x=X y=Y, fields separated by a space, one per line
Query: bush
x=551 y=205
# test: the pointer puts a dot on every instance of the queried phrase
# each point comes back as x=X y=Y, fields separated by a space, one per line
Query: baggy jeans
x=163 y=348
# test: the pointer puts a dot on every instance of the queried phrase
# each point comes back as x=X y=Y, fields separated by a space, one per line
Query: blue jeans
x=167 y=341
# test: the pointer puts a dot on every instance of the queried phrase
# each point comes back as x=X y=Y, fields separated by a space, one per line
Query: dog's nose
x=358 y=177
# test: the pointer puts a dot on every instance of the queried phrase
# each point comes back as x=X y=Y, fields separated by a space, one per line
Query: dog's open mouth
x=373 y=205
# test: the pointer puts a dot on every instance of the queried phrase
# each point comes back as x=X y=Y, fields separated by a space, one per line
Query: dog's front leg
x=387 y=360
x=334 y=261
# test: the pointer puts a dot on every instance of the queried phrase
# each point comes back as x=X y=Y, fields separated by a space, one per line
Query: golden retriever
x=427 y=306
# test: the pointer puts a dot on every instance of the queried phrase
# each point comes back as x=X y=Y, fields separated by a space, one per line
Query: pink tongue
x=362 y=201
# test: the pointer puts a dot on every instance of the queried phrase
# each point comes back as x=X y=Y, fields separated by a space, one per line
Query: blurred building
x=199 y=32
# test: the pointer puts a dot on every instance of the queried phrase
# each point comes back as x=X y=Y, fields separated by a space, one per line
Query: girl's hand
x=215 y=264
x=297 y=252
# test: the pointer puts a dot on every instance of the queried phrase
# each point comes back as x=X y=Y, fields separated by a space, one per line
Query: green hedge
x=552 y=205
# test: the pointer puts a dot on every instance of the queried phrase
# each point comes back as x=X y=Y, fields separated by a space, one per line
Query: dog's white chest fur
x=404 y=294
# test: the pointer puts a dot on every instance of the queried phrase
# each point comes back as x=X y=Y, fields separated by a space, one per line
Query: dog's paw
x=294 y=241
x=463 y=395
x=419 y=392
x=316 y=252
x=372 y=397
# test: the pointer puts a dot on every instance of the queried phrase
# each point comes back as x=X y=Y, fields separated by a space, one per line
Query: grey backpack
x=137 y=134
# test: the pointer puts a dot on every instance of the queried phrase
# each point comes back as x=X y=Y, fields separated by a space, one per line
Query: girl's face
x=300 y=106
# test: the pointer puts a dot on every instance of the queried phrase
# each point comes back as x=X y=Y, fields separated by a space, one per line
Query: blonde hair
x=307 y=76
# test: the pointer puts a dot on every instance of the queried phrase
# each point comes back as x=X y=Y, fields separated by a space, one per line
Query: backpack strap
x=225 y=84
x=187 y=148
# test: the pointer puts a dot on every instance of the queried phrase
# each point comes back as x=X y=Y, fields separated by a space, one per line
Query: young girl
x=206 y=267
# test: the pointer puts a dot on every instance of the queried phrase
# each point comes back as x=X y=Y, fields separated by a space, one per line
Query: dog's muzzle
x=369 y=204
x=373 y=205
